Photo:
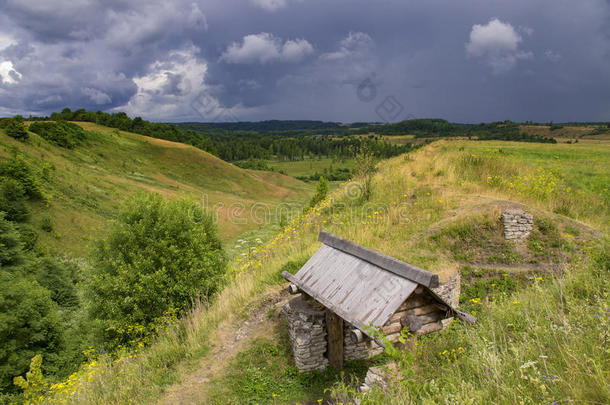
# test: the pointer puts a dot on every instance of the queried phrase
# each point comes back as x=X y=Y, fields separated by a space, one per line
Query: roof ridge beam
x=386 y=262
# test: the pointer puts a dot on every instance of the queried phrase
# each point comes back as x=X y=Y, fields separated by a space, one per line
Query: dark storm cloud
x=473 y=60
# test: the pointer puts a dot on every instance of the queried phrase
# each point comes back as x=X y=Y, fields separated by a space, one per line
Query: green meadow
x=541 y=303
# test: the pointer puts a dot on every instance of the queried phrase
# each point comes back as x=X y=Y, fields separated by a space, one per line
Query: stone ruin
x=517 y=224
x=306 y=321
x=307 y=332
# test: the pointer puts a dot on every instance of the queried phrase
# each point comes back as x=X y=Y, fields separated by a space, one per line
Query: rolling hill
x=84 y=186
x=541 y=302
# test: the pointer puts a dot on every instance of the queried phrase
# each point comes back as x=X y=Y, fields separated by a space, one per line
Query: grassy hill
x=542 y=303
x=85 y=185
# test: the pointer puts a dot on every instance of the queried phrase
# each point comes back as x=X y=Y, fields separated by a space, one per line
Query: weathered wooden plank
x=334 y=326
x=388 y=263
x=417 y=301
x=392 y=328
x=430 y=317
x=424 y=309
x=356 y=336
x=429 y=328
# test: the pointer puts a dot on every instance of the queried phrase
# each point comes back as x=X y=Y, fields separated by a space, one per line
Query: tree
x=29 y=325
x=321 y=191
x=365 y=168
x=157 y=258
x=57 y=277
x=12 y=200
x=15 y=128
x=11 y=253
x=19 y=170
x=29 y=321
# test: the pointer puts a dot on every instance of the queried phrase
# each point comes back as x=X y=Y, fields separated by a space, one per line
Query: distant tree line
x=234 y=145
x=439 y=128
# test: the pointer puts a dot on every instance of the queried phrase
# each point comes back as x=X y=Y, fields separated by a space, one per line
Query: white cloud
x=270 y=5
x=8 y=74
x=356 y=43
x=264 y=48
x=294 y=51
x=97 y=96
x=498 y=44
x=6 y=41
x=175 y=88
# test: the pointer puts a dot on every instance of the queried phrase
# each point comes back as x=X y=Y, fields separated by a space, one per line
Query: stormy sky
x=338 y=60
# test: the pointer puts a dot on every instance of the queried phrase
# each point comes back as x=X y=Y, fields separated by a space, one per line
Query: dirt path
x=233 y=336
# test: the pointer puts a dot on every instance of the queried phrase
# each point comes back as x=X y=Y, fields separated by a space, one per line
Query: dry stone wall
x=307 y=331
x=450 y=290
x=362 y=350
x=517 y=224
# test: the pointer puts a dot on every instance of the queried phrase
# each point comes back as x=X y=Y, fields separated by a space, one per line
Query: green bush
x=14 y=128
x=61 y=133
x=29 y=321
x=157 y=258
x=58 y=279
x=29 y=325
x=29 y=236
x=321 y=191
x=10 y=244
x=46 y=223
x=12 y=200
x=19 y=170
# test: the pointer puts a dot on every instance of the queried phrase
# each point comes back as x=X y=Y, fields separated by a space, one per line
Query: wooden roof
x=360 y=285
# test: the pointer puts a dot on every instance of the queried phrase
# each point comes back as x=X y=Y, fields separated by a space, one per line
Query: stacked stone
x=374 y=376
x=517 y=224
x=307 y=331
x=362 y=350
x=450 y=290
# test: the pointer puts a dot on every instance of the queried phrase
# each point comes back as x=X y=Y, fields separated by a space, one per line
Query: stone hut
x=344 y=289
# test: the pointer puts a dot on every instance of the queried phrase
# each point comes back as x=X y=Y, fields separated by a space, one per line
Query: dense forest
x=438 y=128
x=297 y=140
x=237 y=145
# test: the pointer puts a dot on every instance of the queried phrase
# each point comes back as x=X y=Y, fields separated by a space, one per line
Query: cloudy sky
x=339 y=60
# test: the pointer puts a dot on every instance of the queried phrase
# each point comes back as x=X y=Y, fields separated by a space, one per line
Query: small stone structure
x=307 y=331
x=517 y=224
x=345 y=289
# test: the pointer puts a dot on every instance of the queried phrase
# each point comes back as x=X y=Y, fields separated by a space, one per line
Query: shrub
x=57 y=278
x=34 y=384
x=157 y=258
x=321 y=191
x=12 y=200
x=10 y=244
x=14 y=128
x=46 y=223
x=61 y=133
x=19 y=170
x=29 y=325
x=366 y=167
x=29 y=236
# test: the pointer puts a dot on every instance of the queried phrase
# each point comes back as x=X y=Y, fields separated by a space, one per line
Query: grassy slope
x=428 y=209
x=90 y=181
x=308 y=167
